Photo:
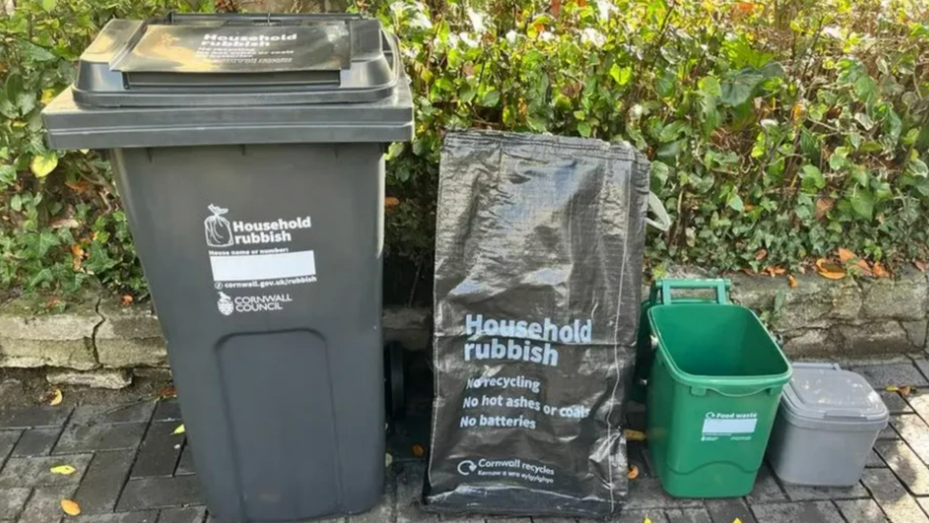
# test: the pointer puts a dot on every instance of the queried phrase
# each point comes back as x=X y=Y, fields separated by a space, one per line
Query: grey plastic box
x=826 y=426
x=248 y=151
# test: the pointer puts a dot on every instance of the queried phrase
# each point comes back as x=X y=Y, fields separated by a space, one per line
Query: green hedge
x=779 y=131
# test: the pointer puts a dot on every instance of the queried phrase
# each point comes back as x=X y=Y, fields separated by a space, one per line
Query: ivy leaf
x=659 y=175
x=862 y=202
x=665 y=84
x=673 y=131
x=860 y=175
x=917 y=167
x=883 y=192
x=491 y=98
x=584 y=129
x=864 y=120
x=7 y=175
x=738 y=90
x=44 y=241
x=710 y=87
x=865 y=88
x=43 y=164
x=35 y=52
x=49 y=5
x=812 y=177
x=735 y=203
x=621 y=75
x=16 y=202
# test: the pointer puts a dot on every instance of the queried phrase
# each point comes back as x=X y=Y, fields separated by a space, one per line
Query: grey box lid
x=827 y=393
x=216 y=79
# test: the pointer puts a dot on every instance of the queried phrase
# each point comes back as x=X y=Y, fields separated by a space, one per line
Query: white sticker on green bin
x=724 y=425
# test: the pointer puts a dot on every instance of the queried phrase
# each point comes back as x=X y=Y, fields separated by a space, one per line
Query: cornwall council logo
x=224 y=304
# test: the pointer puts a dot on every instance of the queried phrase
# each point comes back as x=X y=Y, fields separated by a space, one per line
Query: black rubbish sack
x=539 y=245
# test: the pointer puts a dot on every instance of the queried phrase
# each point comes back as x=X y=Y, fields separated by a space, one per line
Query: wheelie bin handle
x=721 y=286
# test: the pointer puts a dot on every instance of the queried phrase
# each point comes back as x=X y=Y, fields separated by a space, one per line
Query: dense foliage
x=780 y=131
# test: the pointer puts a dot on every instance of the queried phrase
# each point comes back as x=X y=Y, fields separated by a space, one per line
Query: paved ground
x=132 y=469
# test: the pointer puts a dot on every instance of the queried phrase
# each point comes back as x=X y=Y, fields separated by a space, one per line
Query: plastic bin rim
x=762 y=381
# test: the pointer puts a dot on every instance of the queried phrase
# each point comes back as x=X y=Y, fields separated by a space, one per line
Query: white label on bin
x=729 y=426
x=256 y=254
x=263 y=266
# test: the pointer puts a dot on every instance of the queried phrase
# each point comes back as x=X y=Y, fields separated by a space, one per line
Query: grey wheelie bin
x=248 y=151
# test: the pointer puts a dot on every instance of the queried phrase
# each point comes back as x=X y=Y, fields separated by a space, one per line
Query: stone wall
x=819 y=318
x=838 y=319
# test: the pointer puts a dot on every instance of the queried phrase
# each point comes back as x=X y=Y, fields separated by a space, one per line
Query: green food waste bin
x=713 y=392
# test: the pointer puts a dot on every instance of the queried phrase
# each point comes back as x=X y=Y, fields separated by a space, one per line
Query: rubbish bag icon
x=218 y=229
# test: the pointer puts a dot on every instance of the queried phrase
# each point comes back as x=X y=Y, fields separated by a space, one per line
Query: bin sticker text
x=263 y=303
x=257 y=254
x=507 y=468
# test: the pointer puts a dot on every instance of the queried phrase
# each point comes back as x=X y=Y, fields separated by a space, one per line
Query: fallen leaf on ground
x=70 y=507
x=634 y=435
x=921 y=265
x=633 y=472
x=391 y=201
x=388 y=460
x=846 y=255
x=775 y=271
x=418 y=450
x=829 y=270
x=879 y=271
x=761 y=254
x=792 y=281
x=63 y=470
x=646 y=520
x=865 y=269
x=54 y=398
x=904 y=390
x=823 y=206
x=126 y=300
x=52 y=303
x=179 y=430
x=736 y=520
x=65 y=223
x=167 y=393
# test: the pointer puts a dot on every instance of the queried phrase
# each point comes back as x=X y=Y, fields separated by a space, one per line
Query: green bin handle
x=664 y=287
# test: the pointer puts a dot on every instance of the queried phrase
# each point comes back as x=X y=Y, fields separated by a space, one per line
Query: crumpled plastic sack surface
x=539 y=246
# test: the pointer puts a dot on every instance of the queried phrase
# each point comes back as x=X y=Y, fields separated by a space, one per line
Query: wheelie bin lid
x=219 y=79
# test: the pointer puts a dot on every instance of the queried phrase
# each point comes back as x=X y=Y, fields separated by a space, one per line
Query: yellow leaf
x=892 y=388
x=792 y=281
x=906 y=391
x=634 y=435
x=180 y=430
x=56 y=398
x=44 y=164
x=47 y=96
x=646 y=520
x=70 y=507
x=829 y=270
x=63 y=470
x=388 y=460
x=736 y=520
x=633 y=472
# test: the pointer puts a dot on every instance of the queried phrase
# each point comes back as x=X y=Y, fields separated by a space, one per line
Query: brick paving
x=133 y=469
